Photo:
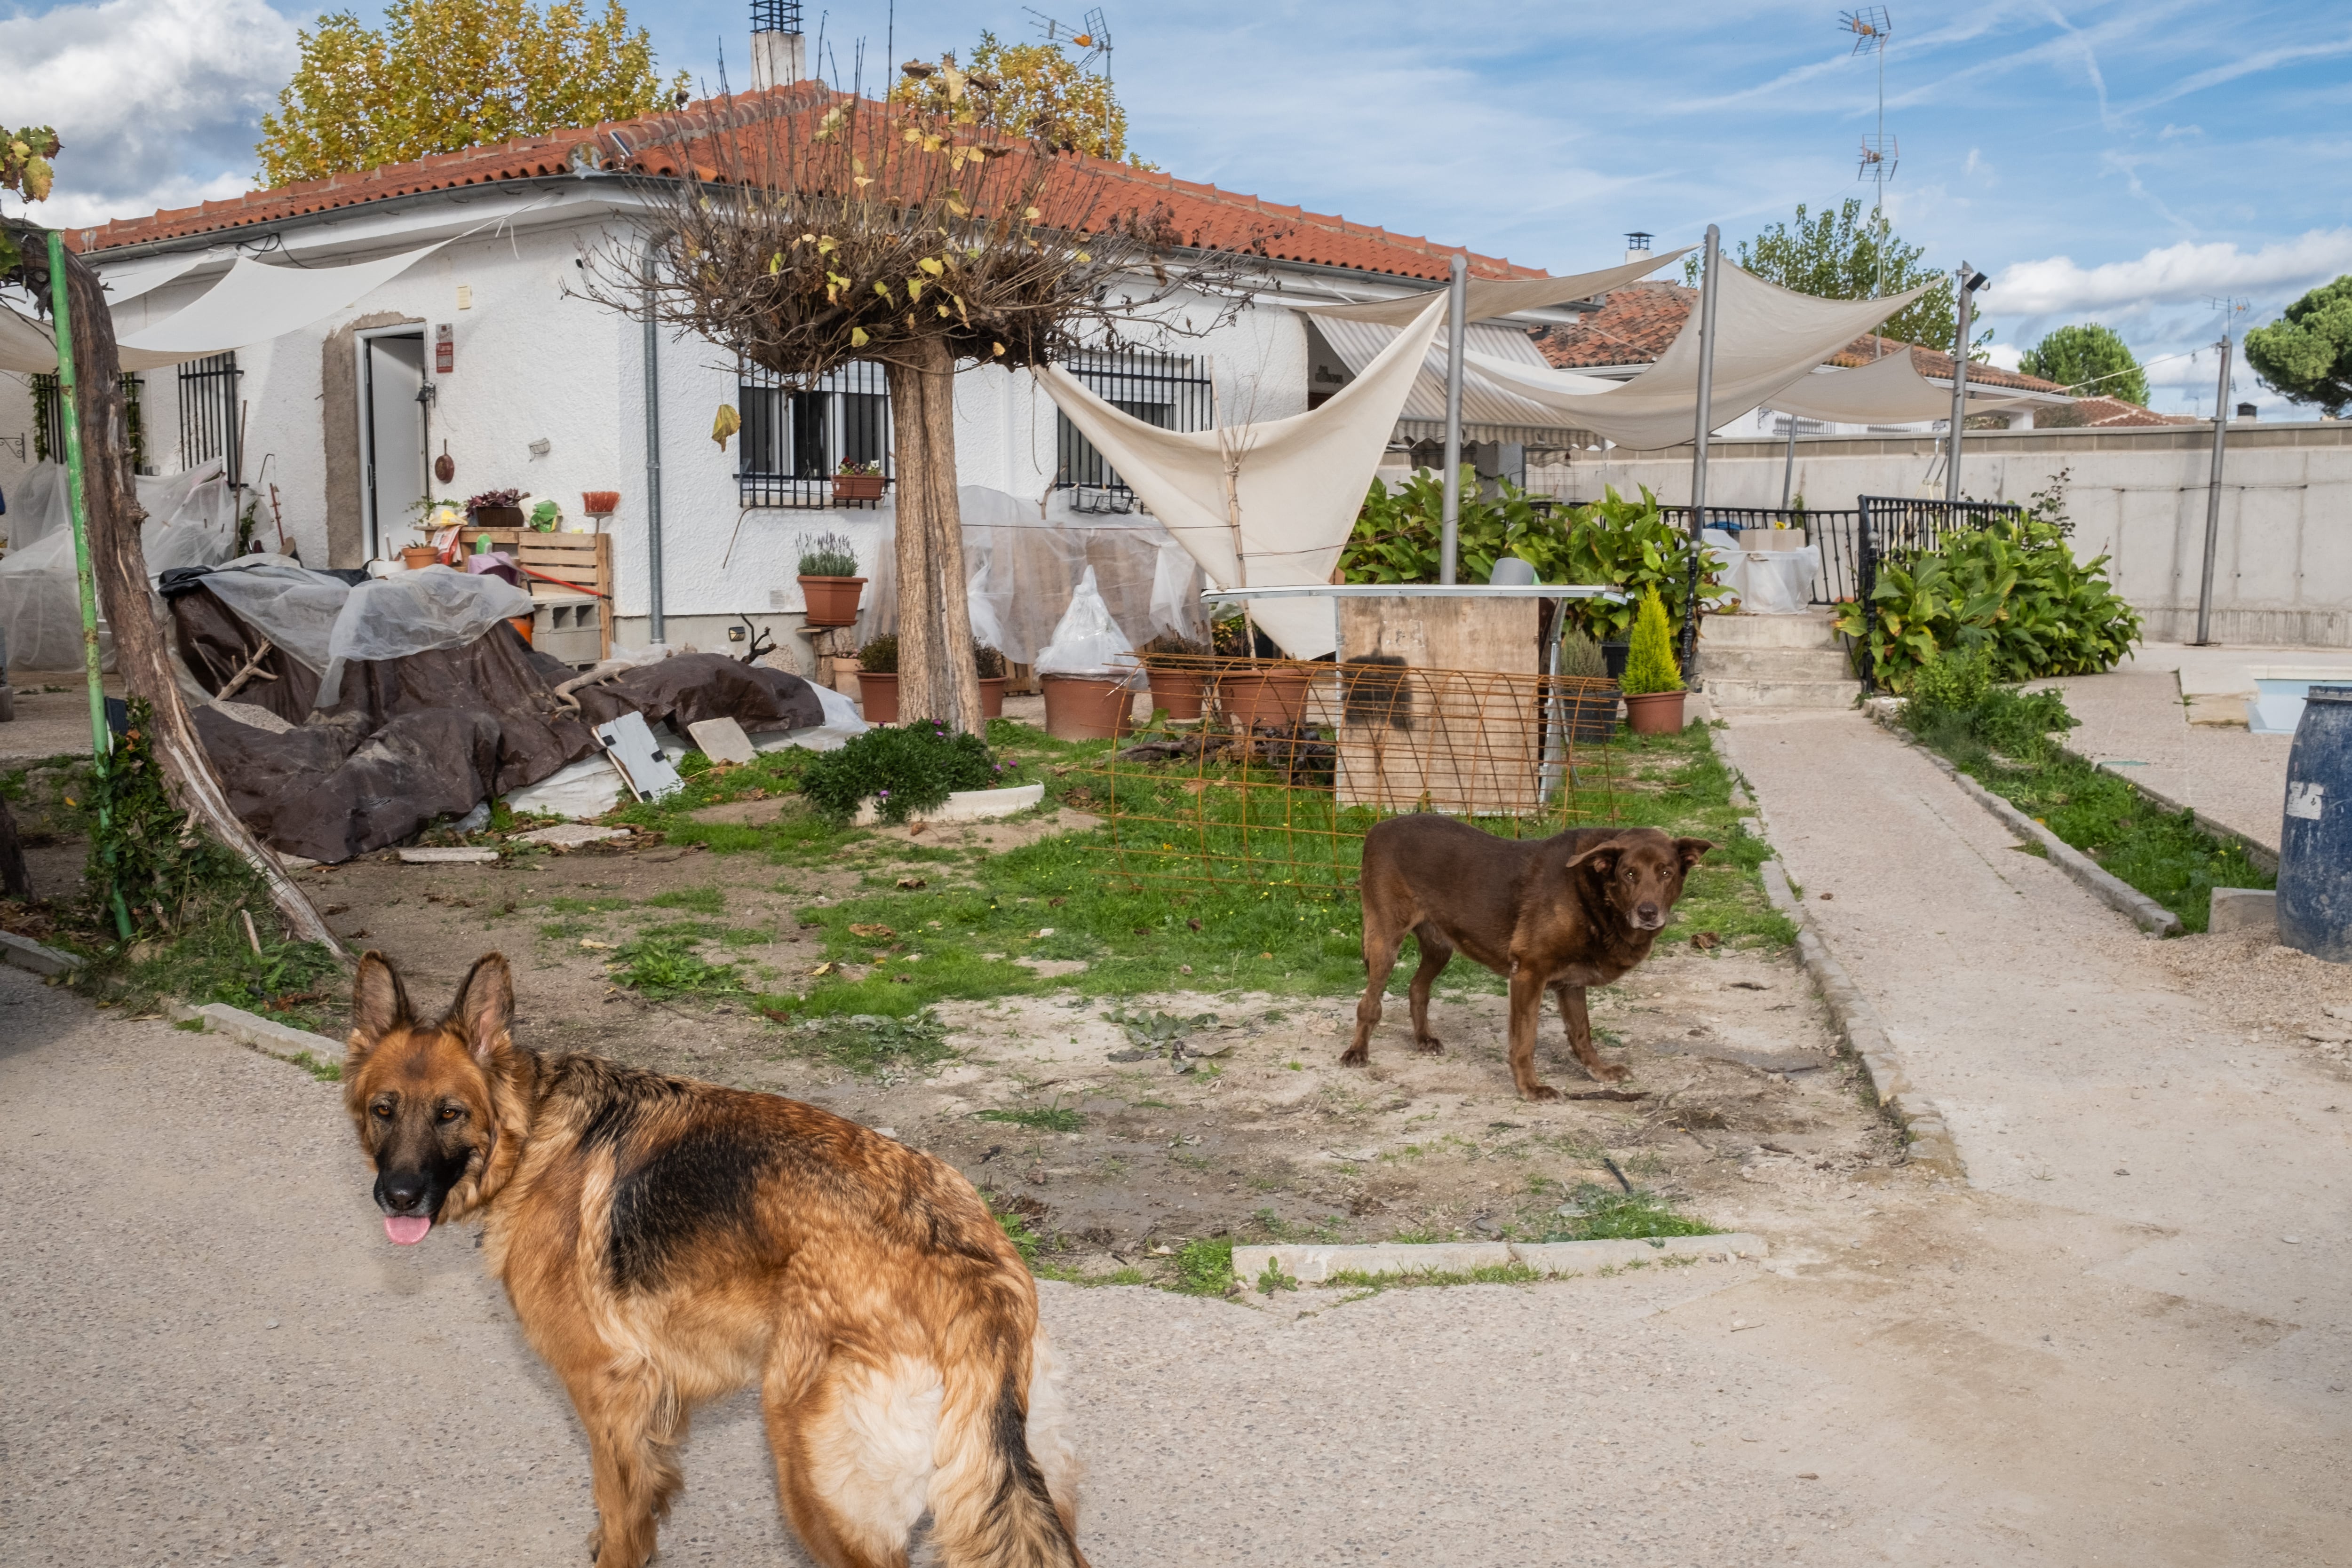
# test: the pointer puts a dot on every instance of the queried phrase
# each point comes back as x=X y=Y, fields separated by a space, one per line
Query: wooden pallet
x=583 y=561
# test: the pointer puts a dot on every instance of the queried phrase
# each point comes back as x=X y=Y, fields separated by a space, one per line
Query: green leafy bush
x=903 y=769
x=827 y=555
x=880 y=656
x=1956 y=695
x=1650 y=663
x=2012 y=591
x=988 y=661
x=1629 y=545
x=1581 y=657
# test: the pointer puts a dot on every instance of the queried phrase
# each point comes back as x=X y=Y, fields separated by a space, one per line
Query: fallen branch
x=235 y=683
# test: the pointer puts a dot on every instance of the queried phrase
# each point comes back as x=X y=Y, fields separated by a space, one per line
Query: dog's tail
x=1005 y=1492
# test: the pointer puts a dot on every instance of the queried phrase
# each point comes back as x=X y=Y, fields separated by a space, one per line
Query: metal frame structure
x=1837 y=533
x=1170 y=390
x=211 y=423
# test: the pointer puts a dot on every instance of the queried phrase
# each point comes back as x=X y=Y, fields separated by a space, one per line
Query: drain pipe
x=653 y=458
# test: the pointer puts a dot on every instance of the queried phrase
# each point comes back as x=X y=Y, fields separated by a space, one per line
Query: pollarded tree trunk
x=937 y=677
x=141 y=651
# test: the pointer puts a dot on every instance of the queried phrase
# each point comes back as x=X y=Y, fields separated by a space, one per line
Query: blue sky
x=2121 y=162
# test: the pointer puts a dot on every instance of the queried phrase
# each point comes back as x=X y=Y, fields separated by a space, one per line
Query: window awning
x=1490 y=411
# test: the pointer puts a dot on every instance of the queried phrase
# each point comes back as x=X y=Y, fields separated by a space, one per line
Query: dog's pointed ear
x=1601 y=859
x=379 y=1004
x=484 y=1009
x=1693 y=851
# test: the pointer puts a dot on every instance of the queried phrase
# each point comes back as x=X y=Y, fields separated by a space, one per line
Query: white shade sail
x=1489 y=412
x=1766 y=337
x=257 y=303
x=125 y=284
x=26 y=346
x=1888 y=392
x=1489 y=297
x=1266 y=505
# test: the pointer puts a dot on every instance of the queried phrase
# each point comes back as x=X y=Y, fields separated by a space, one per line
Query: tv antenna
x=1093 y=35
x=1880 y=153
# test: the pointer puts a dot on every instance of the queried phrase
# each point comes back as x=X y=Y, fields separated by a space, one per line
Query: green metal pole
x=77 y=489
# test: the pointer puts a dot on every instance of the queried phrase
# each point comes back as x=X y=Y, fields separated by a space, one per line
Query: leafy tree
x=24 y=168
x=1837 y=255
x=2089 y=359
x=2307 y=352
x=1024 y=90
x=445 y=75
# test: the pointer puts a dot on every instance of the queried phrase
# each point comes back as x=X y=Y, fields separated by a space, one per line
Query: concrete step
x=1731 y=692
x=1809 y=631
x=1776 y=664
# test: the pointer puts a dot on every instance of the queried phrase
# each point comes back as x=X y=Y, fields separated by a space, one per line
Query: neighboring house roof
x=2114 y=412
x=1204 y=214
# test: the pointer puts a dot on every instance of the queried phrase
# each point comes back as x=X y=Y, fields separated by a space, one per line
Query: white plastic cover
x=414 y=612
x=1087 y=642
x=190 y=522
x=293 y=607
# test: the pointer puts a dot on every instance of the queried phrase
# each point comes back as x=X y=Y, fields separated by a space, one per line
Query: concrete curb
x=1928 y=1138
x=1313 y=1265
x=2102 y=884
x=283 y=1041
x=27 y=954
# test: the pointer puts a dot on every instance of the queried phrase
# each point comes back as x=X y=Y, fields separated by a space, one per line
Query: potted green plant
x=856 y=481
x=1251 y=691
x=877 y=680
x=994 y=678
x=1178 y=668
x=497 y=509
x=1590 y=692
x=432 y=518
x=1653 y=681
x=829 y=581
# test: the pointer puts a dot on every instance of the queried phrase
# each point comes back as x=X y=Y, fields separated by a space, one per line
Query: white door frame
x=364 y=380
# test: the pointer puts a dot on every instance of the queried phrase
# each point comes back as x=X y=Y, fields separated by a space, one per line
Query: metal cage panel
x=1169 y=391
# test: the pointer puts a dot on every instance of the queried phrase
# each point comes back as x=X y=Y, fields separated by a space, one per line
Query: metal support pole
x=1704 y=421
x=1960 y=384
x=1788 y=469
x=1457 y=301
x=2214 y=494
x=101 y=740
x=653 y=460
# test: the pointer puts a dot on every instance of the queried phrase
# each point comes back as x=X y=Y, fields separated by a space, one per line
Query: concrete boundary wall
x=2283 y=573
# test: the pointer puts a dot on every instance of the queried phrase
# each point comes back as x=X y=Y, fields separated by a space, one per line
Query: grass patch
x=325 y=1072
x=1038 y=1118
x=1373 y=1284
x=1599 y=1214
x=701 y=900
x=1204 y=1268
x=2005 y=739
x=661 y=966
x=873 y=1044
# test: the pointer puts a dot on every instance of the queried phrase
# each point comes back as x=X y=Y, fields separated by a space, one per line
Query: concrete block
x=1314 y=1265
x=1590 y=1257
x=968 y=806
x=447 y=857
x=722 y=740
x=27 y=954
x=2243 y=909
x=570 y=835
x=272 y=1039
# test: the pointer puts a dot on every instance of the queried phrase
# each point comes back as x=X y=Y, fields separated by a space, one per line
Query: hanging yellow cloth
x=726 y=425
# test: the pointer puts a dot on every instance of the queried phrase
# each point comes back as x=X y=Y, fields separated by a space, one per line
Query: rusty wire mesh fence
x=1291 y=762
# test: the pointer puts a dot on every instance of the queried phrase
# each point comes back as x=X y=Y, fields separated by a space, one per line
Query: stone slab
x=2243 y=909
x=283 y=1041
x=454 y=856
x=570 y=835
x=968 y=806
x=1311 y=1265
x=1564 y=1257
x=27 y=954
x=722 y=740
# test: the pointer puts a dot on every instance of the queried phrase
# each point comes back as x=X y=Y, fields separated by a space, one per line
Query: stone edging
x=1928 y=1137
x=27 y=954
x=283 y=1041
x=1313 y=1265
x=2101 y=883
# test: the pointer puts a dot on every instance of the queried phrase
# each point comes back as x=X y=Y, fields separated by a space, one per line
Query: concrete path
x=212 y=1355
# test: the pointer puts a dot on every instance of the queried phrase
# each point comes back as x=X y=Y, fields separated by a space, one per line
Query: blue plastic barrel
x=2314 y=879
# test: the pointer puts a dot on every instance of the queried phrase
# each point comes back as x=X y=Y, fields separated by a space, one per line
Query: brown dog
x=1574 y=909
x=665 y=1241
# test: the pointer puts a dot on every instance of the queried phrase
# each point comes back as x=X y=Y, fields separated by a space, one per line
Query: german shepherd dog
x=665 y=1241
x=1577 y=909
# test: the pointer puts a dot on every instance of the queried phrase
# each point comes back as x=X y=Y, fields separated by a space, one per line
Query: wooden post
x=142 y=653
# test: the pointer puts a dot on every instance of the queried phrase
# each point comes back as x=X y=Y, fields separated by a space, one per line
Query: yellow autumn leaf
x=914 y=289
x=942 y=309
x=1083 y=257
x=1032 y=214
x=857 y=165
x=857 y=338
x=775 y=264
x=999 y=349
x=933 y=266
x=826 y=244
x=883 y=291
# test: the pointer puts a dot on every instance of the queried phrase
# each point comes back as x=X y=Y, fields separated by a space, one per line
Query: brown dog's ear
x=1602 y=857
x=1692 y=851
x=379 y=1004
x=485 y=1008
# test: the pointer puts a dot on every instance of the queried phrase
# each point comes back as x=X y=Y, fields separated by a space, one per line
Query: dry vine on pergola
x=805 y=229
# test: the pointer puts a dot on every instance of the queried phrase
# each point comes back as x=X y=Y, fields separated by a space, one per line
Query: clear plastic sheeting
x=414 y=612
x=293 y=607
x=191 y=521
x=1086 y=640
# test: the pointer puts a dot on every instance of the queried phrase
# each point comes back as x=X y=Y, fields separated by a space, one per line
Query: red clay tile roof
x=2114 y=412
x=644 y=147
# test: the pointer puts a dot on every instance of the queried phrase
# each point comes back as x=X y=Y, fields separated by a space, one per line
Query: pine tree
x=1650 y=662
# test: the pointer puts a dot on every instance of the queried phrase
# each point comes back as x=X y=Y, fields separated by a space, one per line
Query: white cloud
x=2187 y=273
x=154 y=101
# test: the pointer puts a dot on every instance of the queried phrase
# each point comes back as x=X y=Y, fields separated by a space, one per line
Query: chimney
x=1637 y=247
x=2248 y=411
x=778 y=53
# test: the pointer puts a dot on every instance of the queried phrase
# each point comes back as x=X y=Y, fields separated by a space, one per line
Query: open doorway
x=394 y=426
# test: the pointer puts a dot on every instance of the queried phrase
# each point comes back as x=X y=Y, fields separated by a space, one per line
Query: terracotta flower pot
x=832 y=600
x=417 y=557
x=859 y=486
x=1274 y=697
x=497 y=518
x=1085 y=707
x=877 y=696
x=1176 y=691
x=1654 y=713
x=992 y=696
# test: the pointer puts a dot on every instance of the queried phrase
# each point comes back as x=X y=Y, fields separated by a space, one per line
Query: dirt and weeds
x=1140 y=1074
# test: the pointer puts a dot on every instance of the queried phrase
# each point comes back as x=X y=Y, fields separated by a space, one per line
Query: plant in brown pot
x=877 y=680
x=495 y=509
x=1592 y=705
x=855 y=481
x=1252 y=692
x=1653 y=681
x=993 y=679
x=829 y=581
x=1178 y=667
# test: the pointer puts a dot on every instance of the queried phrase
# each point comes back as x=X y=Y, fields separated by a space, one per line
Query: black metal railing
x=1896 y=528
x=795 y=440
x=1836 y=533
x=49 y=420
x=1169 y=391
x=209 y=416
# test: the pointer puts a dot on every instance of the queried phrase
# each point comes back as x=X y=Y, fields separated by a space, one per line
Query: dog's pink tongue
x=406 y=1229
